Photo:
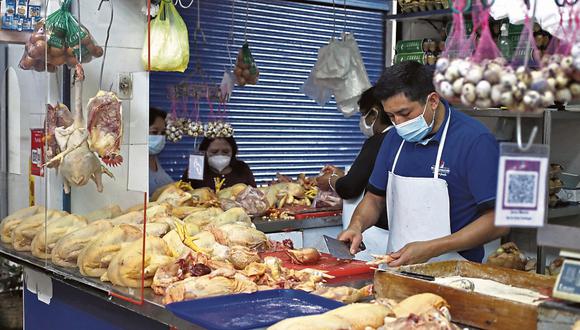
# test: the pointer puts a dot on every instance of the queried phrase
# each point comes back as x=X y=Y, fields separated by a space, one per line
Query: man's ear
x=434 y=101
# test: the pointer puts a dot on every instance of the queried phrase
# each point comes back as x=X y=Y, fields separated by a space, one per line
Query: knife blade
x=340 y=249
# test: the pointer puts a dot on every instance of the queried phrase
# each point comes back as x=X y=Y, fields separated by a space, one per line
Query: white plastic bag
x=315 y=90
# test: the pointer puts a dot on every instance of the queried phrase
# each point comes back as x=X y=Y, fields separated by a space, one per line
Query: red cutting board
x=334 y=266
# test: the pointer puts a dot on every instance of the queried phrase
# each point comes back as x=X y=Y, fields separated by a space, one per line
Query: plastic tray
x=251 y=310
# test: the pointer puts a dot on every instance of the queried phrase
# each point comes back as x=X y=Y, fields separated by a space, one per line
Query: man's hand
x=354 y=237
x=414 y=253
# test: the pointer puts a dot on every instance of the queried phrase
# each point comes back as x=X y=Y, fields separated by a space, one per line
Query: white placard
x=196 y=166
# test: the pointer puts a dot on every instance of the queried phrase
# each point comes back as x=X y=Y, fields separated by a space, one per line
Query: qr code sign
x=521 y=188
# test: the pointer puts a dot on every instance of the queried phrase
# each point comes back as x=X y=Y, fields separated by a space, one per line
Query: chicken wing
x=67 y=249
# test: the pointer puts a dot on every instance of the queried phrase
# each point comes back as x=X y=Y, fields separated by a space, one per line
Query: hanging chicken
x=106 y=127
x=77 y=162
x=57 y=116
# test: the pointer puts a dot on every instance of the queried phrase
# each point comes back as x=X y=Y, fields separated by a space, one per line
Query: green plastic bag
x=169 y=41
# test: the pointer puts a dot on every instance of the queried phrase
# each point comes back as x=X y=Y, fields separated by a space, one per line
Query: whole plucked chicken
x=78 y=164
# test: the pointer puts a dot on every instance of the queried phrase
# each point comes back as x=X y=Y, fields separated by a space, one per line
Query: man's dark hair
x=155 y=113
x=412 y=79
x=368 y=101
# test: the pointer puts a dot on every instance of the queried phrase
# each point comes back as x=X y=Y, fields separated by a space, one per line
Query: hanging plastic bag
x=315 y=90
x=169 y=41
x=227 y=85
x=62 y=39
x=246 y=71
x=333 y=64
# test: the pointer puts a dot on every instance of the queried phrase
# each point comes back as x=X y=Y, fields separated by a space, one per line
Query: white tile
x=138 y=169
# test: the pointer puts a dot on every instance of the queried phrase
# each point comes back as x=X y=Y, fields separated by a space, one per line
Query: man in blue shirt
x=442 y=212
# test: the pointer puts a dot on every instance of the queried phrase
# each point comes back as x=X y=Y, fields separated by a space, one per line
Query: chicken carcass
x=108 y=212
x=14 y=219
x=233 y=234
x=432 y=319
x=241 y=256
x=344 y=294
x=202 y=196
x=77 y=162
x=234 y=215
x=126 y=266
x=208 y=244
x=303 y=256
x=94 y=259
x=23 y=234
x=105 y=127
x=67 y=249
x=362 y=315
x=419 y=304
x=43 y=243
x=157 y=229
x=57 y=116
x=174 y=196
x=203 y=218
x=206 y=286
x=312 y=322
x=231 y=192
x=253 y=201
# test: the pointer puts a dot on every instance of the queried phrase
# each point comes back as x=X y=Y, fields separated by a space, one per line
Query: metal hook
x=519 y=135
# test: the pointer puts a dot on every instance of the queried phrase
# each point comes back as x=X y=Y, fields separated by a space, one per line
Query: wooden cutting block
x=469 y=308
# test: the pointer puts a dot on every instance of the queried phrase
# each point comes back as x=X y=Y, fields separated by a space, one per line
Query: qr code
x=521 y=188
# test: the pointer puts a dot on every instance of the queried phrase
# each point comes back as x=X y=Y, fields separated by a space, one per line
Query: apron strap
x=441 y=144
x=397 y=157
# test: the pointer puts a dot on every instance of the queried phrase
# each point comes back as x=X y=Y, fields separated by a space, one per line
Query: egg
x=442 y=64
x=458 y=86
x=507 y=99
x=483 y=89
x=496 y=91
x=474 y=75
x=468 y=92
x=563 y=95
x=447 y=90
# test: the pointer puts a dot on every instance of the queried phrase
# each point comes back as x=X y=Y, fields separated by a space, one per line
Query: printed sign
x=196 y=166
x=36 y=151
x=521 y=188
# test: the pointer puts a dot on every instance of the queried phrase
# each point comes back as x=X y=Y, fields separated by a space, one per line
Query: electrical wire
x=106 y=41
x=247 y=18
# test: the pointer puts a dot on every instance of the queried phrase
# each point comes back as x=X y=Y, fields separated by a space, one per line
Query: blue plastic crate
x=251 y=310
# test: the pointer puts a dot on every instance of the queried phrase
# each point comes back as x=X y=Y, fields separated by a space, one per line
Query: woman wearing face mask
x=374 y=124
x=221 y=165
x=157 y=175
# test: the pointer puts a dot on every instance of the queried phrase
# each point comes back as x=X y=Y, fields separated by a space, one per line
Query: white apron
x=374 y=237
x=418 y=208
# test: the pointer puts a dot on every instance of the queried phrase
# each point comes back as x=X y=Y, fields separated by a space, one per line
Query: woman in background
x=157 y=175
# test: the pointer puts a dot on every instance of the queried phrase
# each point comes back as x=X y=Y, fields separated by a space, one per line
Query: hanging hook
x=198 y=26
x=333 y=18
x=519 y=135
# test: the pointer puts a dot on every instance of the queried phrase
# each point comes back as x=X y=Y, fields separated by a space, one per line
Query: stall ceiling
x=278 y=129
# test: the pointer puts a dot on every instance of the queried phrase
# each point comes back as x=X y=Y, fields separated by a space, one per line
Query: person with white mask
x=221 y=165
x=436 y=177
x=374 y=124
x=157 y=175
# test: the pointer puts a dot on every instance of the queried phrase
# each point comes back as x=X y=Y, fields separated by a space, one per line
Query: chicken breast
x=67 y=249
x=203 y=218
x=312 y=322
x=94 y=259
x=11 y=221
x=24 y=233
x=174 y=196
x=43 y=243
x=239 y=234
x=125 y=268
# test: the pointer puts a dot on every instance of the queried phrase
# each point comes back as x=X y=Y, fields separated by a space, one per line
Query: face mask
x=218 y=163
x=367 y=130
x=416 y=129
x=156 y=144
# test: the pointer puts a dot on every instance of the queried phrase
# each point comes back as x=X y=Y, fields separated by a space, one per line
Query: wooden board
x=470 y=308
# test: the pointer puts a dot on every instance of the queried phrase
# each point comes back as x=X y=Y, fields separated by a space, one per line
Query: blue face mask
x=416 y=129
x=156 y=144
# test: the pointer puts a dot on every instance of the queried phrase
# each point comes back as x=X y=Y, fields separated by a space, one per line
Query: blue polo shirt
x=469 y=164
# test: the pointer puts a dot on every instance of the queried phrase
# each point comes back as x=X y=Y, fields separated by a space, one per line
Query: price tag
x=521 y=187
x=37 y=151
x=568 y=282
x=196 y=166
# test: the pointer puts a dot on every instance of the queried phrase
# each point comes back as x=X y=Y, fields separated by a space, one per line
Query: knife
x=386 y=268
x=340 y=249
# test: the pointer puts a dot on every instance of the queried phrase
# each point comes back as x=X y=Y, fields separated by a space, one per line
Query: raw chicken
x=57 y=116
x=94 y=259
x=67 y=249
x=157 y=229
x=235 y=215
x=202 y=196
x=105 y=127
x=231 y=192
x=203 y=218
x=206 y=286
x=133 y=218
x=241 y=256
x=125 y=269
x=109 y=212
x=23 y=234
x=303 y=256
x=208 y=244
x=175 y=243
x=253 y=201
x=233 y=234
x=77 y=163
x=312 y=322
x=361 y=315
x=174 y=196
x=183 y=211
x=344 y=294
x=419 y=304
x=46 y=238
x=432 y=319
x=11 y=221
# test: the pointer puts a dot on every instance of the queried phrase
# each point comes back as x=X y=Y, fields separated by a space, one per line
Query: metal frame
x=4 y=133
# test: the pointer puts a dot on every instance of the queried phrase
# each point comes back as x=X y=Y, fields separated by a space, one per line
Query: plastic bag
x=169 y=41
x=313 y=88
x=62 y=40
x=327 y=199
x=246 y=71
x=253 y=201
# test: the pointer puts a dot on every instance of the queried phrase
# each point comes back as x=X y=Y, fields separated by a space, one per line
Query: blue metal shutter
x=277 y=128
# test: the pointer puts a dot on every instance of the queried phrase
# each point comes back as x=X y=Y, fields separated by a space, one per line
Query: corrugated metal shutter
x=277 y=128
